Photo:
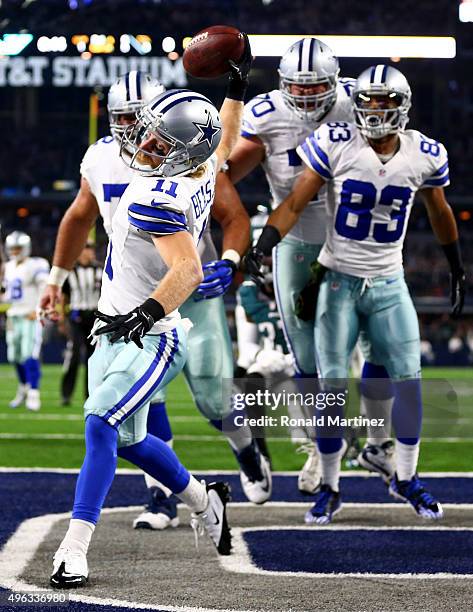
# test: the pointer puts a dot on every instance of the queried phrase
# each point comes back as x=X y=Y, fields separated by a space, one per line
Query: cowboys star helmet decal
x=207 y=131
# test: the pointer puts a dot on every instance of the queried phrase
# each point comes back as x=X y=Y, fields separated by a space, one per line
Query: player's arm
x=230 y=213
x=184 y=274
x=185 y=270
x=282 y=219
x=231 y=112
x=445 y=228
x=232 y=217
x=248 y=153
x=71 y=239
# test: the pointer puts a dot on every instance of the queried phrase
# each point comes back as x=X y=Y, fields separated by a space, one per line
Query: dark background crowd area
x=409 y=17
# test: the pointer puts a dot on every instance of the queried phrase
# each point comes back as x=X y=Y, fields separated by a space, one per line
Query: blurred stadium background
x=58 y=57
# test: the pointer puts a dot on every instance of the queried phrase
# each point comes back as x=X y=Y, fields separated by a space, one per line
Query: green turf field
x=53 y=437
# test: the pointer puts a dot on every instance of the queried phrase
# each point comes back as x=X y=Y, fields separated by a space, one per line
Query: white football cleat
x=255 y=474
x=20 y=396
x=33 y=400
x=310 y=475
x=213 y=519
x=379 y=458
x=70 y=569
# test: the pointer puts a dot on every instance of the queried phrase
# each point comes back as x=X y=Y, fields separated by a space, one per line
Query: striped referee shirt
x=83 y=286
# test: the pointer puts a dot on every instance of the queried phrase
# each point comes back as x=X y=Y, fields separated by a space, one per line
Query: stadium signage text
x=63 y=71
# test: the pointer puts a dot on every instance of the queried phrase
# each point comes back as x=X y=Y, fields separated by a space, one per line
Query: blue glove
x=218 y=278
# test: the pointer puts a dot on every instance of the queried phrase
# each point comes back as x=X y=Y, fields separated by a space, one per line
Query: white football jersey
x=151 y=206
x=24 y=283
x=369 y=202
x=107 y=175
x=281 y=131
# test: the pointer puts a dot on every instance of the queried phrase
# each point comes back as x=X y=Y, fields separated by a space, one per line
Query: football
x=207 y=54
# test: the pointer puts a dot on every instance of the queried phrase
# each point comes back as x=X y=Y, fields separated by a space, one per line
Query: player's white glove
x=269 y=362
x=133 y=325
x=218 y=278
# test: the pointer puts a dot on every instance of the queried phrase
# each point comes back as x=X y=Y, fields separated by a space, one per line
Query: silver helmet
x=18 y=240
x=309 y=62
x=173 y=134
x=127 y=95
x=381 y=81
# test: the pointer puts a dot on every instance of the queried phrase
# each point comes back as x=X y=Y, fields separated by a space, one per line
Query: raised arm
x=231 y=111
x=445 y=228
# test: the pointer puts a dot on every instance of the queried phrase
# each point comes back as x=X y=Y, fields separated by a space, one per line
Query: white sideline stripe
x=38 y=416
x=61 y=436
x=137 y=472
x=21 y=547
x=179 y=438
x=240 y=561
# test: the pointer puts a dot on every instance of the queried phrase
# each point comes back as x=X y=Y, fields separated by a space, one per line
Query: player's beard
x=148 y=160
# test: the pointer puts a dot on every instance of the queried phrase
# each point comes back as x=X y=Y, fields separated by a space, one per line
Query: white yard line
x=44 y=416
x=23 y=544
x=178 y=437
x=136 y=472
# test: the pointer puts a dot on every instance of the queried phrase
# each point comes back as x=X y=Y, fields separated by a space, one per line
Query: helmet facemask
x=378 y=122
x=310 y=107
x=149 y=162
x=116 y=127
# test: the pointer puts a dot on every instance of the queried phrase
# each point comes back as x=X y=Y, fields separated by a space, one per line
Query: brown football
x=207 y=54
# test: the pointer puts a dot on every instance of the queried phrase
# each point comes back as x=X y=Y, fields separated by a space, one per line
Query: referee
x=81 y=290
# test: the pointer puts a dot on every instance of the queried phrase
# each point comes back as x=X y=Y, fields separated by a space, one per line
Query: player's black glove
x=457 y=292
x=238 y=80
x=253 y=263
x=133 y=325
x=457 y=277
x=306 y=301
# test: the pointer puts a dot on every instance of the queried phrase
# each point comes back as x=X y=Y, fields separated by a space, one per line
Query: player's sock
x=331 y=450
x=407 y=422
x=407 y=456
x=78 y=535
x=407 y=410
x=239 y=438
x=21 y=372
x=155 y=458
x=194 y=495
x=97 y=471
x=159 y=426
x=376 y=401
x=32 y=372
